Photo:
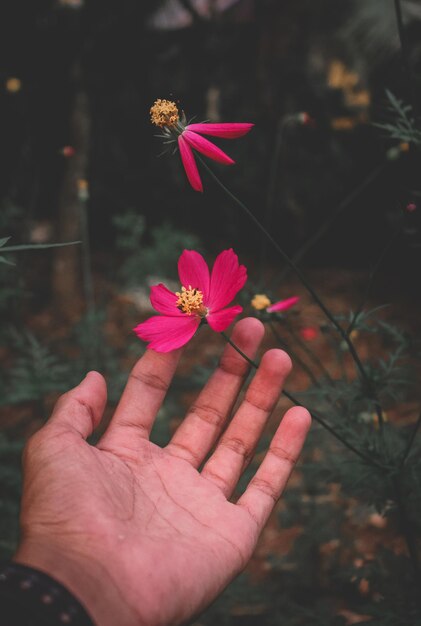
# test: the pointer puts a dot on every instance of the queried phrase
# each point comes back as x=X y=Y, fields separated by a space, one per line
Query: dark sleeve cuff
x=29 y=597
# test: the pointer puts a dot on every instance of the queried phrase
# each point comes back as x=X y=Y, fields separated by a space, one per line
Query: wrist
x=86 y=579
x=31 y=597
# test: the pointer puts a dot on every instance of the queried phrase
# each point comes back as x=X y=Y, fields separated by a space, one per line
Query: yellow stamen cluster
x=260 y=302
x=190 y=301
x=164 y=113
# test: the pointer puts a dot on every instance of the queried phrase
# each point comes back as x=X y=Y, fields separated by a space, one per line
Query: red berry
x=309 y=333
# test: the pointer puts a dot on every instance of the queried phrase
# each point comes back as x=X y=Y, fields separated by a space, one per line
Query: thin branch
x=342 y=332
x=373 y=272
x=314 y=415
x=309 y=353
x=294 y=355
x=272 y=181
x=344 y=204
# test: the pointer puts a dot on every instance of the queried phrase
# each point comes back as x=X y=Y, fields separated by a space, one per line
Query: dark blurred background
x=89 y=71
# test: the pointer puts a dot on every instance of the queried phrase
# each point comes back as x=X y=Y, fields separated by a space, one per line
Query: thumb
x=81 y=408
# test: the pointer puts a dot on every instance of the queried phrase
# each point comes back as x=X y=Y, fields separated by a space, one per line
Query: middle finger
x=208 y=415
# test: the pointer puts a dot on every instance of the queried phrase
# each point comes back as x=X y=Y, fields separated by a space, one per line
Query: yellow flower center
x=164 y=113
x=190 y=301
x=260 y=301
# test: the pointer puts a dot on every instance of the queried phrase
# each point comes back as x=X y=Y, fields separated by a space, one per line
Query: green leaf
x=3 y=241
x=38 y=246
x=6 y=261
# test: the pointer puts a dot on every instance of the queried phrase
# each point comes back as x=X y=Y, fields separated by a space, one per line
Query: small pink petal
x=227 y=278
x=222 y=319
x=189 y=163
x=193 y=270
x=164 y=301
x=229 y=131
x=283 y=305
x=167 y=333
x=206 y=147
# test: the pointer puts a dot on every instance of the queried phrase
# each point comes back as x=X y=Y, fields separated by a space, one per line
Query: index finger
x=142 y=397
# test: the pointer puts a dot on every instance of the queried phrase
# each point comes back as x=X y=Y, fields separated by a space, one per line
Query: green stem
x=370 y=281
x=344 y=204
x=294 y=355
x=338 y=354
x=309 y=372
x=286 y=258
x=361 y=306
x=314 y=415
x=311 y=291
x=271 y=189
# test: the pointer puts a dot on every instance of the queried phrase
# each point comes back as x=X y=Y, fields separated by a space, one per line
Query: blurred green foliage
x=403 y=125
x=145 y=253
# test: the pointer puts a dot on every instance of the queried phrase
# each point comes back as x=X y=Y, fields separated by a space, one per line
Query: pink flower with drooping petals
x=203 y=297
x=164 y=113
x=190 y=138
x=283 y=305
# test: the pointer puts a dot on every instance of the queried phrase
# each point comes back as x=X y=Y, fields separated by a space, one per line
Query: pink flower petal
x=167 y=333
x=164 y=301
x=222 y=319
x=189 y=163
x=193 y=270
x=229 y=131
x=206 y=147
x=283 y=305
x=227 y=278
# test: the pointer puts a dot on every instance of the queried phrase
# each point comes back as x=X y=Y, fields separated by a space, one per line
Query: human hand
x=144 y=535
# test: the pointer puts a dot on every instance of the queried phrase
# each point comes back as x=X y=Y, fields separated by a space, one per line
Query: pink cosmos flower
x=203 y=297
x=165 y=114
x=190 y=138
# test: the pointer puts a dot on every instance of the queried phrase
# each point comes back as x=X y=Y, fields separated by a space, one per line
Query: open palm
x=150 y=535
